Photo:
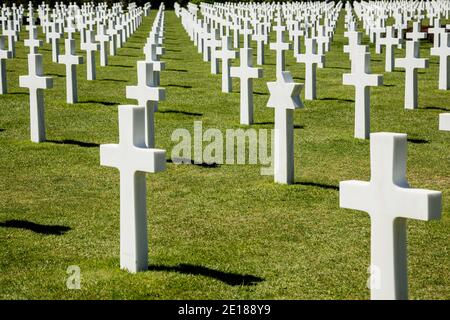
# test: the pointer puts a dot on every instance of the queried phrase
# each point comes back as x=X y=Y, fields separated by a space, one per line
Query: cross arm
x=149 y=160
x=419 y=204
x=109 y=155
x=37 y=82
x=354 y=194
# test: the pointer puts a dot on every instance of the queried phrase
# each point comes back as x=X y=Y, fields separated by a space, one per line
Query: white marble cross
x=390 y=202
x=112 y=32
x=133 y=159
x=416 y=34
x=11 y=34
x=71 y=61
x=54 y=36
x=150 y=51
x=280 y=47
x=362 y=80
x=33 y=42
x=354 y=42
x=436 y=31
x=246 y=73
x=261 y=38
x=4 y=55
x=90 y=46
x=443 y=52
x=411 y=62
x=36 y=83
x=213 y=44
x=103 y=39
x=284 y=97
x=235 y=27
x=390 y=41
x=378 y=30
x=246 y=33
x=311 y=59
x=70 y=29
x=226 y=54
x=147 y=94
x=323 y=42
x=120 y=33
x=296 y=33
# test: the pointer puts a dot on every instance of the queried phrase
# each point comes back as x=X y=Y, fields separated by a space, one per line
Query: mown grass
x=222 y=232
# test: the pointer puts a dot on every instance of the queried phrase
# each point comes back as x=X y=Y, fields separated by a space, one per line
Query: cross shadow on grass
x=75 y=143
x=229 y=278
x=170 y=58
x=18 y=93
x=264 y=123
x=418 y=141
x=112 y=80
x=179 y=86
x=128 y=55
x=176 y=70
x=35 y=227
x=55 y=75
x=187 y=113
x=336 y=99
x=105 y=103
x=1 y=130
x=340 y=68
x=318 y=185
x=120 y=66
x=184 y=161
x=435 y=108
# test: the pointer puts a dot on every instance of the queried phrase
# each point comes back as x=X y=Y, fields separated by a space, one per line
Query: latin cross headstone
x=362 y=79
x=36 y=83
x=390 y=202
x=261 y=38
x=246 y=73
x=436 y=31
x=416 y=35
x=112 y=32
x=54 y=36
x=297 y=33
x=11 y=34
x=4 y=55
x=390 y=41
x=354 y=43
x=147 y=94
x=247 y=33
x=152 y=57
x=213 y=44
x=90 y=46
x=71 y=61
x=235 y=27
x=411 y=63
x=133 y=159
x=226 y=54
x=280 y=47
x=103 y=39
x=311 y=59
x=284 y=97
x=33 y=42
x=443 y=52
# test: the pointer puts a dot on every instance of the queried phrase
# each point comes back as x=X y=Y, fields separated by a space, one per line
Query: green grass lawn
x=222 y=232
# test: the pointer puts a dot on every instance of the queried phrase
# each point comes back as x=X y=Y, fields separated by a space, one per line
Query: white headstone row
x=387 y=197
x=136 y=155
